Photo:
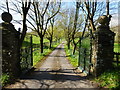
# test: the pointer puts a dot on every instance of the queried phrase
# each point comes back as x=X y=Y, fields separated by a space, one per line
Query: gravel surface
x=55 y=72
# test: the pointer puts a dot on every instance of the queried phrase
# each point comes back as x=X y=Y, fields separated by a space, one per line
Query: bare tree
x=91 y=9
x=7 y=6
x=107 y=7
x=25 y=8
x=66 y=23
x=41 y=18
x=78 y=4
x=50 y=31
x=22 y=11
x=68 y=30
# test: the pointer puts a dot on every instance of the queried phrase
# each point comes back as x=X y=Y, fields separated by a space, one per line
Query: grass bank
x=72 y=58
x=109 y=79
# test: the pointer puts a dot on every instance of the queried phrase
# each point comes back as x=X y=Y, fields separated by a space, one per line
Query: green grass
x=36 y=40
x=4 y=79
x=73 y=58
x=117 y=47
x=85 y=43
x=37 y=56
x=109 y=79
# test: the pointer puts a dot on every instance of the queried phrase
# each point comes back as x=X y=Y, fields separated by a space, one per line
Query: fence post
x=26 y=57
x=117 y=57
x=31 y=51
x=90 y=63
x=79 y=52
x=84 y=59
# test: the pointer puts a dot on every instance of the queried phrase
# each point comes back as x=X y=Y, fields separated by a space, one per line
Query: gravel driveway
x=55 y=72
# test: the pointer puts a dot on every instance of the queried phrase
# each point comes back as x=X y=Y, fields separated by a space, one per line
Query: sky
x=114 y=19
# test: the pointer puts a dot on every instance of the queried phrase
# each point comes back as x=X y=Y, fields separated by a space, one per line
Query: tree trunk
x=23 y=34
x=92 y=25
x=41 y=44
x=68 y=44
x=50 y=43
x=74 y=48
x=107 y=7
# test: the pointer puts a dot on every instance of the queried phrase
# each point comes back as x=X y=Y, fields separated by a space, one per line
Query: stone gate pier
x=10 y=46
x=103 y=46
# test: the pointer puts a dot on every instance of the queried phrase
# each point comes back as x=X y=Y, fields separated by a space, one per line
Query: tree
x=42 y=19
x=25 y=4
x=107 y=7
x=50 y=31
x=91 y=8
x=58 y=33
x=7 y=6
x=78 y=4
x=66 y=23
x=25 y=8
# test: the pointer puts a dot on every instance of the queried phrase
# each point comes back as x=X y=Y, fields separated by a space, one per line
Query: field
x=117 y=47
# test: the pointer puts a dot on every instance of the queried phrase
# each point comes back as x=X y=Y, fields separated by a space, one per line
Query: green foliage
x=36 y=40
x=117 y=47
x=37 y=56
x=73 y=58
x=86 y=43
x=109 y=79
x=4 y=79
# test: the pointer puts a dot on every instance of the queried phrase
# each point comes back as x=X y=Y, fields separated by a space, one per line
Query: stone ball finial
x=7 y=17
x=103 y=20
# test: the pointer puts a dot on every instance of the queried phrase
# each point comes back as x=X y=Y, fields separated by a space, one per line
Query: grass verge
x=109 y=79
x=72 y=58
x=37 y=56
x=4 y=79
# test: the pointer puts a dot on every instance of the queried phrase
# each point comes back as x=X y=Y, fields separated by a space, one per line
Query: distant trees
x=50 y=30
x=66 y=23
x=68 y=29
x=78 y=4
